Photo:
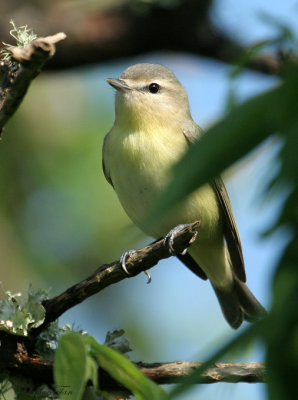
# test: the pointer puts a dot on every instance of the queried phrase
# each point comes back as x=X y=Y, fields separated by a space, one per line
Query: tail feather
x=239 y=304
x=230 y=307
x=252 y=308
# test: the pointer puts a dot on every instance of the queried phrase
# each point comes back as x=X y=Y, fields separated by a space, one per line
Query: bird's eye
x=154 y=87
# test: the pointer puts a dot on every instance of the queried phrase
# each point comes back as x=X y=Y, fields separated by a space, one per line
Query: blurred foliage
x=71 y=381
x=57 y=214
x=125 y=372
x=84 y=354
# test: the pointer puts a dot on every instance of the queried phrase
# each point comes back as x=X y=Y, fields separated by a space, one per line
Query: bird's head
x=149 y=95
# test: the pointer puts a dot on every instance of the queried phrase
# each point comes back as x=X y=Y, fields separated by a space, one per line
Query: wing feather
x=104 y=168
x=191 y=264
x=230 y=230
x=193 y=132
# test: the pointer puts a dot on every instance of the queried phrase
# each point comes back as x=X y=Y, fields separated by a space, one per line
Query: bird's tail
x=239 y=304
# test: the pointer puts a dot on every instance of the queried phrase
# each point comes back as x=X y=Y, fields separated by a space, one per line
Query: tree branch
x=106 y=33
x=15 y=84
x=121 y=32
x=15 y=358
x=109 y=274
x=174 y=372
x=17 y=352
x=162 y=373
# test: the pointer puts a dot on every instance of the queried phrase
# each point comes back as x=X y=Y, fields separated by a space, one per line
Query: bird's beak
x=118 y=84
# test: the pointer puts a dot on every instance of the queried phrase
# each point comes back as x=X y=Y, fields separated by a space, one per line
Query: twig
x=109 y=274
x=32 y=58
x=162 y=373
x=187 y=27
x=174 y=372
x=118 y=30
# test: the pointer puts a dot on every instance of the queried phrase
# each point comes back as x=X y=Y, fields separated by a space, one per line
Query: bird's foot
x=148 y=276
x=123 y=259
x=169 y=239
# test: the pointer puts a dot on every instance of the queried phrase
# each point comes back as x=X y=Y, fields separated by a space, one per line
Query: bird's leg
x=123 y=259
x=169 y=239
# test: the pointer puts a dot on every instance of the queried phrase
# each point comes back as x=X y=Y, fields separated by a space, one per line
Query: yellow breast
x=139 y=164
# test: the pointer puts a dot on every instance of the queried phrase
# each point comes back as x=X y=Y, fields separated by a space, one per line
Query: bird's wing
x=191 y=264
x=105 y=171
x=193 y=132
x=230 y=229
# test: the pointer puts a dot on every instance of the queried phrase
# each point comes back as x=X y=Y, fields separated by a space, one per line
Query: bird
x=153 y=129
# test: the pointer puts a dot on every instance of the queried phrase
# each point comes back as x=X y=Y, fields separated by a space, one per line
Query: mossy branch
x=17 y=79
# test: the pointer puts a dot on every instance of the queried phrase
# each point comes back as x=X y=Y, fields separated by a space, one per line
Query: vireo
x=152 y=130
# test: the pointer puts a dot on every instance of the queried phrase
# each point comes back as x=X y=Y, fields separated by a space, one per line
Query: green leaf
x=241 y=131
x=125 y=372
x=71 y=367
x=92 y=371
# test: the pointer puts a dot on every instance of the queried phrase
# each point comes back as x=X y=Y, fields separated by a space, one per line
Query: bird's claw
x=123 y=259
x=148 y=276
x=169 y=239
